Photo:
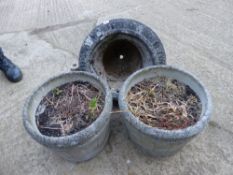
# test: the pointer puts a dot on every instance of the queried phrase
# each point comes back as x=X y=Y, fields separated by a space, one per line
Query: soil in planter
x=69 y=108
x=164 y=103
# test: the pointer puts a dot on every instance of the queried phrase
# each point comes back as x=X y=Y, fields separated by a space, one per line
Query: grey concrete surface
x=43 y=37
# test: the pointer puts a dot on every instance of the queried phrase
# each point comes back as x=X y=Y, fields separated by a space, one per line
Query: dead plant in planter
x=69 y=108
x=164 y=103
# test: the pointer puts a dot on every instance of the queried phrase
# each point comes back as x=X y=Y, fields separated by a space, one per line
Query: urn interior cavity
x=117 y=58
x=121 y=58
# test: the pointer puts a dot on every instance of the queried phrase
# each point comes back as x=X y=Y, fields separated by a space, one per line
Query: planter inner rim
x=79 y=137
x=164 y=70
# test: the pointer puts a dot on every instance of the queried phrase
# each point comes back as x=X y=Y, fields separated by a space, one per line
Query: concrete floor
x=44 y=37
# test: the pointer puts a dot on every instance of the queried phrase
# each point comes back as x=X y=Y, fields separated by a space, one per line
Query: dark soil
x=68 y=109
x=164 y=103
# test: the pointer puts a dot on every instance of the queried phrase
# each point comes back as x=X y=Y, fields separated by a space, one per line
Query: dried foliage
x=164 y=103
x=69 y=108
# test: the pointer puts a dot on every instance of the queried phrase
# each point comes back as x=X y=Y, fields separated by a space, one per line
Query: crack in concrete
x=60 y=26
x=39 y=31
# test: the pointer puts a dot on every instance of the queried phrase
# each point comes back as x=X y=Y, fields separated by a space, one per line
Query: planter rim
x=79 y=137
x=163 y=133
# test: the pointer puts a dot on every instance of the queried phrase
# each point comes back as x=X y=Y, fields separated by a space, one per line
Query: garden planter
x=117 y=48
x=157 y=141
x=84 y=144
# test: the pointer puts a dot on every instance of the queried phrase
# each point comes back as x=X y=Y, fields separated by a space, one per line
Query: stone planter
x=117 y=48
x=160 y=142
x=82 y=145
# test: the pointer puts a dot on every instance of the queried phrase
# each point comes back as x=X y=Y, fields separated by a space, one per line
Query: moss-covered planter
x=161 y=142
x=117 y=48
x=79 y=146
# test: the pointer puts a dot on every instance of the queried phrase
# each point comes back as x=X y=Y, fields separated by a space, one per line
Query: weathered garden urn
x=117 y=48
